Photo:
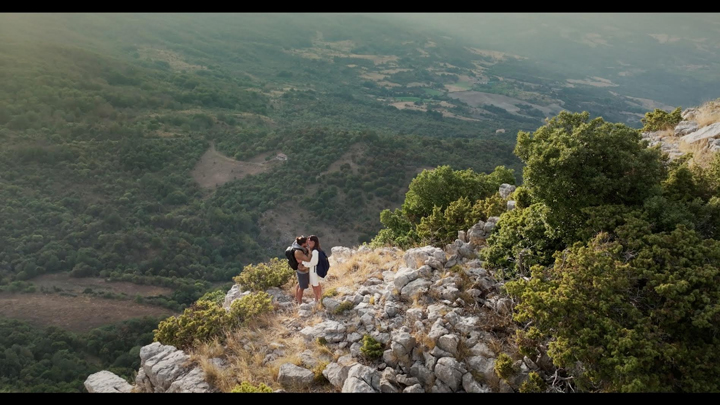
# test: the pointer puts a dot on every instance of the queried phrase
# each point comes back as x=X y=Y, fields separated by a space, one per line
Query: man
x=303 y=273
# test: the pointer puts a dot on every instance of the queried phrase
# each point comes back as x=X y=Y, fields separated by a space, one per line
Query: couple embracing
x=310 y=263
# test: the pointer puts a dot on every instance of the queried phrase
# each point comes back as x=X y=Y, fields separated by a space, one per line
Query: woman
x=314 y=247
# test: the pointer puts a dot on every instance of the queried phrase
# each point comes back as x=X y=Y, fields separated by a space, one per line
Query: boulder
x=292 y=376
x=505 y=190
x=710 y=131
x=106 y=382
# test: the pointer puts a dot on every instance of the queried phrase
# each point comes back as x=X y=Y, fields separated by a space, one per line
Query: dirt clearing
x=77 y=314
x=215 y=169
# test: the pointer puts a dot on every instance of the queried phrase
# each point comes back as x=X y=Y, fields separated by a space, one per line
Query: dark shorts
x=303 y=279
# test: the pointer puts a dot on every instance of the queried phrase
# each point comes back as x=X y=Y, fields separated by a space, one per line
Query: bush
x=504 y=367
x=201 y=322
x=659 y=120
x=534 y=383
x=246 y=387
x=262 y=276
x=637 y=310
x=344 y=306
x=572 y=163
x=371 y=348
x=250 y=306
x=217 y=297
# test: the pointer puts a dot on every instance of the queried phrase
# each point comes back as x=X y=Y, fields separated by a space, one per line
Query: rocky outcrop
x=708 y=132
x=506 y=190
x=106 y=382
x=427 y=310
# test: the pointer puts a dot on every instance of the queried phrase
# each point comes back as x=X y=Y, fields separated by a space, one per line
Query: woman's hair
x=301 y=239
x=315 y=239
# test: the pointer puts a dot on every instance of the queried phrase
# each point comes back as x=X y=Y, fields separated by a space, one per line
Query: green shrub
x=534 y=383
x=638 y=310
x=201 y=322
x=250 y=306
x=371 y=348
x=344 y=306
x=659 y=120
x=246 y=387
x=262 y=276
x=504 y=367
x=217 y=297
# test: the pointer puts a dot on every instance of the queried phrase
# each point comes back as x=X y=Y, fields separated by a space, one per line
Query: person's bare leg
x=317 y=290
x=299 y=295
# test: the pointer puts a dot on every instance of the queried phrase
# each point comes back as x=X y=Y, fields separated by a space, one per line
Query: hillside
x=541 y=294
x=147 y=159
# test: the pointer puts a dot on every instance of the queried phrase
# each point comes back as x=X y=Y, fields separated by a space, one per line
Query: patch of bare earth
x=350 y=157
x=478 y=99
x=77 y=314
x=78 y=285
x=215 y=169
x=173 y=59
x=593 y=81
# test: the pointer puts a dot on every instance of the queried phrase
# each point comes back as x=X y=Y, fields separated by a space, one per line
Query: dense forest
x=104 y=118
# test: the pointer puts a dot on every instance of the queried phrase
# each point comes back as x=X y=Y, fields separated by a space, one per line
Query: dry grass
x=701 y=154
x=708 y=113
x=245 y=349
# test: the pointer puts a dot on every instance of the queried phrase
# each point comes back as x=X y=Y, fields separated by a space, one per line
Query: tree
x=572 y=163
x=637 y=310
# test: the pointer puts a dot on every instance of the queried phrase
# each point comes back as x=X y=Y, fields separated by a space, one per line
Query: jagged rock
x=330 y=304
x=414 y=258
x=438 y=352
x=483 y=365
x=392 y=309
x=402 y=345
x=481 y=349
x=689 y=113
x=332 y=331
x=143 y=382
x=278 y=295
x=685 y=127
x=414 y=314
x=714 y=145
x=337 y=372
x=452 y=261
x=310 y=360
x=414 y=389
x=362 y=379
x=192 y=382
x=422 y=373
x=440 y=388
x=355 y=349
x=436 y=311
x=388 y=382
x=364 y=249
x=477 y=234
x=435 y=264
x=414 y=288
x=106 y=382
x=462 y=236
x=505 y=190
x=470 y=385
x=165 y=367
x=340 y=254
x=466 y=250
x=449 y=343
x=354 y=337
x=710 y=131
x=292 y=376
x=405 y=275
x=235 y=293
x=510 y=205
x=406 y=381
